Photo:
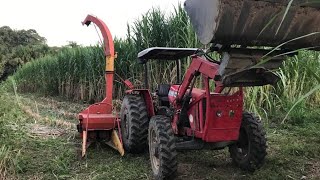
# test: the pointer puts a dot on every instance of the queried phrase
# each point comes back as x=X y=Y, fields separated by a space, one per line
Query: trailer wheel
x=162 y=148
x=250 y=150
x=134 y=123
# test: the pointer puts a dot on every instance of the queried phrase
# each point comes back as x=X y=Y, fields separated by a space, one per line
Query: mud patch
x=184 y=170
x=314 y=170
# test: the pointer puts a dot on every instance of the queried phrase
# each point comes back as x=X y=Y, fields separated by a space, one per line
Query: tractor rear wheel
x=250 y=150
x=134 y=123
x=162 y=148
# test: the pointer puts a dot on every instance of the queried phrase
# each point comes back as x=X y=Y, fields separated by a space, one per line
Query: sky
x=59 y=21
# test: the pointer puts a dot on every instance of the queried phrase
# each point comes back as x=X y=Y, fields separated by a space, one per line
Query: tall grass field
x=78 y=73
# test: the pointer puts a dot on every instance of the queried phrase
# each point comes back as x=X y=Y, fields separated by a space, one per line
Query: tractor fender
x=145 y=93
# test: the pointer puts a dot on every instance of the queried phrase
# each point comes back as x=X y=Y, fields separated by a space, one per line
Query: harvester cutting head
x=283 y=26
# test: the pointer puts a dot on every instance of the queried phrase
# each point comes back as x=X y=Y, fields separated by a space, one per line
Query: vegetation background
x=18 y=47
x=77 y=73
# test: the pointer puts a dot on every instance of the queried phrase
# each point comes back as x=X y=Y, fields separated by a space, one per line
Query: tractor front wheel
x=134 y=123
x=162 y=148
x=250 y=150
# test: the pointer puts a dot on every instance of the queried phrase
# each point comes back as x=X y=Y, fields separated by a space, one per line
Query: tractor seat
x=163 y=91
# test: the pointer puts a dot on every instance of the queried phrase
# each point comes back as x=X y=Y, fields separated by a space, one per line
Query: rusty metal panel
x=255 y=22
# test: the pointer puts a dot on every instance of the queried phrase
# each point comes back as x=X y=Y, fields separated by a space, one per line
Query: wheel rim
x=154 y=151
x=243 y=144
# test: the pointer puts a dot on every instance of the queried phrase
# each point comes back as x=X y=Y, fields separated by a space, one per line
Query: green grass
x=293 y=151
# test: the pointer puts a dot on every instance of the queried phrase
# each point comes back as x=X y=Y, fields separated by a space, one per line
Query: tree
x=18 y=47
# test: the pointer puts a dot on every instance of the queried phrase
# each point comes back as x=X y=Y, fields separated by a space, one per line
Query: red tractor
x=182 y=117
x=204 y=109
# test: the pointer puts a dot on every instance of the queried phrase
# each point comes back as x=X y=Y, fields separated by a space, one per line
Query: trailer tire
x=249 y=151
x=162 y=148
x=134 y=123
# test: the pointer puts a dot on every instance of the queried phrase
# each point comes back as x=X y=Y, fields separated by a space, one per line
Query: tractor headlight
x=219 y=113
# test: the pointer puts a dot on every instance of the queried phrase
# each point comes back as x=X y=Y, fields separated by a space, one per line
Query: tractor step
x=194 y=144
x=197 y=144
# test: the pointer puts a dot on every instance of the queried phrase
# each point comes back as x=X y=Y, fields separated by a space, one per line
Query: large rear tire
x=250 y=150
x=134 y=123
x=162 y=148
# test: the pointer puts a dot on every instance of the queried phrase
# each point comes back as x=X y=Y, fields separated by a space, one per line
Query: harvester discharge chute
x=283 y=25
x=99 y=121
